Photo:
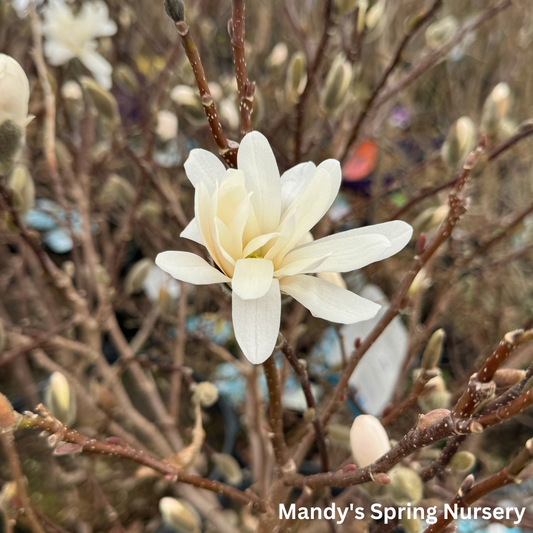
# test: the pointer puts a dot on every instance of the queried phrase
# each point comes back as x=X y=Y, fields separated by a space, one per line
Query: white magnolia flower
x=252 y=222
x=69 y=36
x=14 y=92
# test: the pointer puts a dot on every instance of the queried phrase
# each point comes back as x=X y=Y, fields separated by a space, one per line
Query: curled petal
x=189 y=268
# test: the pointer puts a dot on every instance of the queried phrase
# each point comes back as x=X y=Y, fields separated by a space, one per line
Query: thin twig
x=179 y=354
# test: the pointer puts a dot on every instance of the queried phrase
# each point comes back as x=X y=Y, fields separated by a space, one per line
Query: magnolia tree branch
x=397 y=302
x=246 y=89
x=311 y=80
x=469 y=494
x=114 y=447
x=226 y=148
x=412 y=31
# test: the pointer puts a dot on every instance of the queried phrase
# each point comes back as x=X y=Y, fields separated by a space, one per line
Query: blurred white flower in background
x=69 y=36
x=252 y=224
x=21 y=6
x=167 y=125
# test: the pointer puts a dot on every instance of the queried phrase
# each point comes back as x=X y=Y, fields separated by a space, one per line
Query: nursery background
x=132 y=401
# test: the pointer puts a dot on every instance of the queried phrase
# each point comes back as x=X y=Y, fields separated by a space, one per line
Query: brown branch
x=397 y=302
x=246 y=89
x=179 y=354
x=311 y=80
x=275 y=411
x=420 y=22
x=87 y=445
x=227 y=149
x=507 y=476
x=308 y=393
x=8 y=442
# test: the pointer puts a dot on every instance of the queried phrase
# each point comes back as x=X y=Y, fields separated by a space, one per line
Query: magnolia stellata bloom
x=368 y=440
x=69 y=36
x=252 y=223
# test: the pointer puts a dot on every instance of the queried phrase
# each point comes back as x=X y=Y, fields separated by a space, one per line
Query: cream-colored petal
x=205 y=167
x=256 y=159
x=189 y=268
x=252 y=278
x=256 y=323
x=293 y=181
x=301 y=266
x=333 y=277
x=328 y=301
x=257 y=243
x=351 y=252
x=192 y=232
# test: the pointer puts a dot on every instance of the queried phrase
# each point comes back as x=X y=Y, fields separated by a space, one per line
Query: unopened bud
x=433 y=351
x=368 y=440
x=60 y=400
x=179 y=515
x=206 y=393
x=190 y=102
x=441 y=31
x=462 y=462
x=126 y=79
x=411 y=525
x=405 y=486
x=117 y=191
x=421 y=243
x=431 y=418
x=466 y=485
x=495 y=108
x=277 y=56
x=151 y=211
x=167 y=125
x=103 y=100
x=137 y=274
x=309 y=415
x=459 y=142
x=22 y=188
x=375 y=14
x=229 y=468
x=175 y=10
x=339 y=434
x=11 y=141
x=337 y=84
x=507 y=377
x=437 y=399
x=296 y=79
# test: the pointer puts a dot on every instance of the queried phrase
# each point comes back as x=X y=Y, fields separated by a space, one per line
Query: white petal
x=302 y=266
x=205 y=211
x=252 y=278
x=203 y=166
x=256 y=159
x=347 y=251
x=192 y=232
x=333 y=277
x=256 y=323
x=293 y=181
x=328 y=301
x=56 y=53
x=99 y=66
x=190 y=268
x=257 y=243
x=398 y=232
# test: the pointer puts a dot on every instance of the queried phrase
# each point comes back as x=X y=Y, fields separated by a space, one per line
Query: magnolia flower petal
x=351 y=252
x=398 y=232
x=252 y=278
x=301 y=266
x=203 y=166
x=328 y=301
x=205 y=211
x=99 y=66
x=257 y=243
x=286 y=234
x=256 y=323
x=293 y=181
x=189 y=268
x=56 y=53
x=256 y=159
x=192 y=232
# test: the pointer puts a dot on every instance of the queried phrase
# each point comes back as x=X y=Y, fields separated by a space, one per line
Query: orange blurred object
x=362 y=161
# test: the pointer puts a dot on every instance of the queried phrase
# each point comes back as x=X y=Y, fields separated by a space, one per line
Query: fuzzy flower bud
x=431 y=418
x=411 y=525
x=433 y=351
x=495 y=108
x=103 y=100
x=137 y=275
x=368 y=439
x=462 y=462
x=22 y=189
x=296 y=79
x=229 y=468
x=206 y=393
x=441 y=31
x=507 y=377
x=60 y=400
x=117 y=191
x=337 y=84
x=436 y=399
x=179 y=515
x=277 y=56
x=191 y=104
x=175 y=10
x=459 y=142
x=405 y=486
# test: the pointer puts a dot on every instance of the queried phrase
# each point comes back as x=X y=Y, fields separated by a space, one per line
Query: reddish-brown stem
x=87 y=445
x=245 y=88
x=227 y=149
x=179 y=354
